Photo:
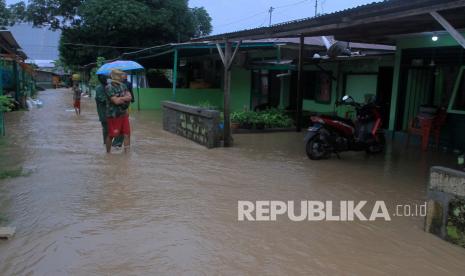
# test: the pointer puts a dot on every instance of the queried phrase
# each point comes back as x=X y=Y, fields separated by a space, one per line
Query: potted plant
x=236 y=119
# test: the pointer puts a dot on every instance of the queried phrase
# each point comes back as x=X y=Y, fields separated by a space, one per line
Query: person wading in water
x=118 y=100
x=101 y=103
x=76 y=94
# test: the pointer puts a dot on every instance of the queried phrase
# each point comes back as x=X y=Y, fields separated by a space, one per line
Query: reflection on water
x=170 y=206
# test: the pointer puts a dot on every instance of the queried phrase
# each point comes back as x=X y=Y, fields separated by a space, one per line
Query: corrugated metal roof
x=355 y=14
x=8 y=37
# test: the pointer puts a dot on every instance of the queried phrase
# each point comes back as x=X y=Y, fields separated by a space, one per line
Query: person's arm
x=128 y=96
x=118 y=100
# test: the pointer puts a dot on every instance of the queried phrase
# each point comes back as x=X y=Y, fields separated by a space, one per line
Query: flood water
x=169 y=207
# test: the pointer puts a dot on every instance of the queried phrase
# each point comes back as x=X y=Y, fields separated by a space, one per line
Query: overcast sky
x=232 y=15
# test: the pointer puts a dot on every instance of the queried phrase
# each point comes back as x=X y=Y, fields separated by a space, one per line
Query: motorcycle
x=333 y=134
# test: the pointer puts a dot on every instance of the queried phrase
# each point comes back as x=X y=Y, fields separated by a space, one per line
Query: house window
x=317 y=86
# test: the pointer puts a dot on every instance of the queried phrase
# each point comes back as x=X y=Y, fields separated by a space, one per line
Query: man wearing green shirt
x=101 y=102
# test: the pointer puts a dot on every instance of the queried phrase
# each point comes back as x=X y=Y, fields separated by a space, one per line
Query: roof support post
x=449 y=28
x=227 y=57
x=300 y=85
x=2 y=120
x=1 y=76
x=227 y=92
x=175 y=73
x=138 y=92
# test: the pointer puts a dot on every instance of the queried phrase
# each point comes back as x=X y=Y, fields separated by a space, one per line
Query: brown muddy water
x=170 y=206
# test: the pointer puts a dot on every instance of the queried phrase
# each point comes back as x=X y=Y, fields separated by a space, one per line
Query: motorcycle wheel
x=317 y=149
x=377 y=146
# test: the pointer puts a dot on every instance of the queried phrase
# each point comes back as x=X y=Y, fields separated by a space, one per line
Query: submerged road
x=169 y=207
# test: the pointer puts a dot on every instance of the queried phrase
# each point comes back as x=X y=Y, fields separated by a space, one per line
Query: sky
x=233 y=15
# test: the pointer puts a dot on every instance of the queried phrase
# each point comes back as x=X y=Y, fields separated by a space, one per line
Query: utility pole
x=316 y=8
x=271 y=14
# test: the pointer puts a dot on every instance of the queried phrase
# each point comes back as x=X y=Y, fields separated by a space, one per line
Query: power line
x=261 y=13
x=102 y=46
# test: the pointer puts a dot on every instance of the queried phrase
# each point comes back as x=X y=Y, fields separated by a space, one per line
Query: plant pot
x=235 y=125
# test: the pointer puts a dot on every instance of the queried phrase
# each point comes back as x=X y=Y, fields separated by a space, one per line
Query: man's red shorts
x=118 y=126
x=77 y=104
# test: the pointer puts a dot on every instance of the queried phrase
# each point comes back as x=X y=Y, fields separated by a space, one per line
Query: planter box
x=265 y=130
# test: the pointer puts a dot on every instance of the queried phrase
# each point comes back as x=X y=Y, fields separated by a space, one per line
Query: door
x=384 y=94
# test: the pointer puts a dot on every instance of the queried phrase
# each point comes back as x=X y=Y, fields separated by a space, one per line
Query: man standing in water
x=117 y=110
x=101 y=103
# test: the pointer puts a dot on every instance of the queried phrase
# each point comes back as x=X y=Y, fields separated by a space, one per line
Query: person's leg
x=108 y=144
x=75 y=107
x=126 y=131
x=118 y=141
x=104 y=131
x=113 y=131
x=127 y=142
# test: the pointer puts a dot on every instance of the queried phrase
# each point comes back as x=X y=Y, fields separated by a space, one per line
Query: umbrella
x=123 y=65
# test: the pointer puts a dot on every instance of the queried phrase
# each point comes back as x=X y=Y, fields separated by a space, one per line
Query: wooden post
x=300 y=87
x=227 y=58
x=138 y=93
x=227 y=93
x=175 y=73
x=449 y=28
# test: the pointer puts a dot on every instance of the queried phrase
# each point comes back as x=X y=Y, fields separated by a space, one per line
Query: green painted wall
x=426 y=41
x=240 y=89
x=151 y=98
x=359 y=85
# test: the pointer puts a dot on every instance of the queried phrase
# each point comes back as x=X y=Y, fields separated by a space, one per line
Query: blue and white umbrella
x=123 y=65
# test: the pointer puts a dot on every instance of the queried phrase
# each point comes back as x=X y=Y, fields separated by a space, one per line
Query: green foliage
x=271 y=118
x=119 y=23
x=4 y=14
x=93 y=74
x=6 y=103
x=53 y=13
x=457 y=214
x=18 y=12
x=202 y=20
x=207 y=105
x=13 y=173
x=13 y=13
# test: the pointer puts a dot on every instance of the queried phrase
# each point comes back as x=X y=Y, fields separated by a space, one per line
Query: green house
x=264 y=74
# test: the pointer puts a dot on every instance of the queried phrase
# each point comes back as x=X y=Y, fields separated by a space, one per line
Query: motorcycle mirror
x=347 y=98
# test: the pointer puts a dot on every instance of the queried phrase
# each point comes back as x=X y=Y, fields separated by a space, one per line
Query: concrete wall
x=196 y=124
x=446 y=185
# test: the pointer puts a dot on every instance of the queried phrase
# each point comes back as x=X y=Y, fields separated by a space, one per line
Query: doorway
x=384 y=93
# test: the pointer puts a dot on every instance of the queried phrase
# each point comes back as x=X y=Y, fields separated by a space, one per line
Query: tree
x=18 y=12
x=4 y=14
x=94 y=82
x=201 y=21
x=117 y=23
